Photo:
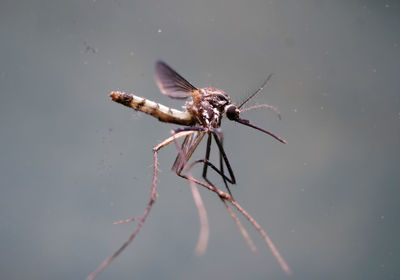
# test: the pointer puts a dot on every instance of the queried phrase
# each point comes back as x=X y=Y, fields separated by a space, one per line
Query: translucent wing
x=171 y=83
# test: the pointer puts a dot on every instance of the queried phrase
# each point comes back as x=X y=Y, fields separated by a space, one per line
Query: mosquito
x=202 y=117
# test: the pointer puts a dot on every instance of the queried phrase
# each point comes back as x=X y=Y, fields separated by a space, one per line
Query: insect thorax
x=208 y=106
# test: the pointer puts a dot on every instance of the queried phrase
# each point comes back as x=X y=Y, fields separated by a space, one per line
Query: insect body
x=202 y=116
x=208 y=104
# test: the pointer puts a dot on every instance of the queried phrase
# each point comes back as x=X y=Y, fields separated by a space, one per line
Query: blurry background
x=72 y=162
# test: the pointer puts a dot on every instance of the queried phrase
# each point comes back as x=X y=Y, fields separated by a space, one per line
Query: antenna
x=257 y=91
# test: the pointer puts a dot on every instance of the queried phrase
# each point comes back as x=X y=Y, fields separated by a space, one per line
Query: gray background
x=72 y=161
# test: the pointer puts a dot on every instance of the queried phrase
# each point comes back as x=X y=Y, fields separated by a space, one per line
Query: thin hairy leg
x=204 y=234
x=226 y=197
x=265 y=236
x=142 y=219
x=243 y=231
x=207 y=163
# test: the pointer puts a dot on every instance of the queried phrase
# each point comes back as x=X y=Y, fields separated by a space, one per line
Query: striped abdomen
x=161 y=112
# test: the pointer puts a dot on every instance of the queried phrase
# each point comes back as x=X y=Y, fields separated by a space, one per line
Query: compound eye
x=232 y=112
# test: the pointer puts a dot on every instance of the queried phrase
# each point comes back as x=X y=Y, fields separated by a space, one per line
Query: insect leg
x=223 y=196
x=152 y=199
x=221 y=167
x=188 y=147
x=206 y=160
x=225 y=158
x=206 y=163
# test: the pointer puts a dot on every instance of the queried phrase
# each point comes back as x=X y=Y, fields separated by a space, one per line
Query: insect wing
x=171 y=83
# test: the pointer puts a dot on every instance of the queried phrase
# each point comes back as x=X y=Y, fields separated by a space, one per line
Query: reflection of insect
x=202 y=117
